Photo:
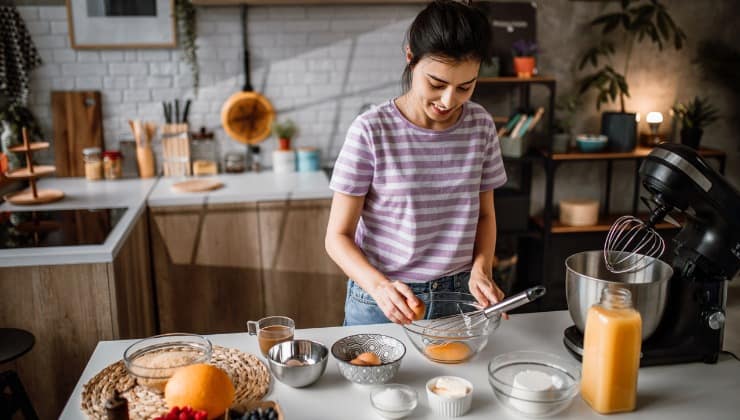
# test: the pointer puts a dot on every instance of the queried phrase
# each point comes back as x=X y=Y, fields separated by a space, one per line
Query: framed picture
x=112 y=24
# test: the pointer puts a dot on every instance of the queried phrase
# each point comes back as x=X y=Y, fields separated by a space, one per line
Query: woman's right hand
x=393 y=298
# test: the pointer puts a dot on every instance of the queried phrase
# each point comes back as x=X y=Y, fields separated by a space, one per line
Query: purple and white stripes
x=421 y=189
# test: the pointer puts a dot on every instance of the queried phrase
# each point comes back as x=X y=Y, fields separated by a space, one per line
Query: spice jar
x=93 y=164
x=234 y=163
x=203 y=149
x=112 y=165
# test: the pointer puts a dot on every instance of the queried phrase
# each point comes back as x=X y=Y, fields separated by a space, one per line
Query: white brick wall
x=316 y=64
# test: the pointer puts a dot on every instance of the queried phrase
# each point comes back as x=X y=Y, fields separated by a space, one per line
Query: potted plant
x=637 y=20
x=187 y=19
x=524 y=62
x=284 y=131
x=565 y=110
x=694 y=116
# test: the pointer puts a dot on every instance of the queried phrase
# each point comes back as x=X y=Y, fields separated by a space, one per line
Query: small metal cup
x=298 y=363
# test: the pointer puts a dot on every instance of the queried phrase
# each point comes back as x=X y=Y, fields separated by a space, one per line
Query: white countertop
x=246 y=187
x=688 y=391
x=82 y=194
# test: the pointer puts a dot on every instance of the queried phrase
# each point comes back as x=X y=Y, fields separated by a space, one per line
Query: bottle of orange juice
x=611 y=353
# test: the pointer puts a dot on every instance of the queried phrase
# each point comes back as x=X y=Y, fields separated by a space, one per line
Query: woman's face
x=439 y=87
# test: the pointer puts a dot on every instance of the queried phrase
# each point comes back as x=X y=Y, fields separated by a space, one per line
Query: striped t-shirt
x=421 y=189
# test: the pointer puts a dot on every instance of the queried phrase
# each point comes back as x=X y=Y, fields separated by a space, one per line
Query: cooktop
x=42 y=228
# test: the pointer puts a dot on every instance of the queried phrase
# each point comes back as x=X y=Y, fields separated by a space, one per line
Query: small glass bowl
x=388 y=410
x=153 y=360
x=436 y=340
x=503 y=369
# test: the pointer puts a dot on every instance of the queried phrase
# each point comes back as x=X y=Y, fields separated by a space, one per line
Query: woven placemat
x=250 y=376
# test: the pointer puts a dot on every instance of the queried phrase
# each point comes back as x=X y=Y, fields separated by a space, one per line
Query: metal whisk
x=469 y=321
x=632 y=244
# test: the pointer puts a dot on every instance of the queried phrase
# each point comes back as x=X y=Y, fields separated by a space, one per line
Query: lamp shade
x=654 y=117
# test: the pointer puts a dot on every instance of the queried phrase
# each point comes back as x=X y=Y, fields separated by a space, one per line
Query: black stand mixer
x=706 y=254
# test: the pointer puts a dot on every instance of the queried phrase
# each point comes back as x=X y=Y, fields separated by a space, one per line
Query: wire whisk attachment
x=631 y=245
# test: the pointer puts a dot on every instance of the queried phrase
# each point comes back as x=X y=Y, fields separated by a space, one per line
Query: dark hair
x=449 y=30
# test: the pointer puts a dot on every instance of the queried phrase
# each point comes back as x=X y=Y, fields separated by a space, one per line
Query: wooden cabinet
x=207 y=267
x=300 y=279
x=299 y=2
x=69 y=308
x=219 y=265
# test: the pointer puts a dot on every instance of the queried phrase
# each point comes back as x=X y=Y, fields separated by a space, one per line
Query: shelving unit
x=512 y=202
x=558 y=241
x=31 y=172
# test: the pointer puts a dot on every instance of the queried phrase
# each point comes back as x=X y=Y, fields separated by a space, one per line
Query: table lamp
x=654 y=119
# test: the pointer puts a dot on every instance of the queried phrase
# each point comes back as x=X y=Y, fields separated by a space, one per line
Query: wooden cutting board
x=77 y=120
x=197 y=185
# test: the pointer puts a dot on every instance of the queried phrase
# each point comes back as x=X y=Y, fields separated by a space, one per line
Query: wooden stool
x=14 y=343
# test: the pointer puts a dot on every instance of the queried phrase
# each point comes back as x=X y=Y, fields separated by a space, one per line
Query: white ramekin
x=446 y=406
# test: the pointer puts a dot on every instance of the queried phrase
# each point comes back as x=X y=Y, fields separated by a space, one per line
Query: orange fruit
x=419 y=308
x=366 y=359
x=449 y=352
x=201 y=387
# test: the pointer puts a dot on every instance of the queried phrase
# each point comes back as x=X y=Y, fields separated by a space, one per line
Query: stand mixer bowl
x=587 y=275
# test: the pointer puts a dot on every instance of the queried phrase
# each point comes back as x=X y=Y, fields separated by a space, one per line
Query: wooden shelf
x=24 y=173
x=638 y=153
x=603 y=225
x=516 y=80
x=298 y=2
x=35 y=146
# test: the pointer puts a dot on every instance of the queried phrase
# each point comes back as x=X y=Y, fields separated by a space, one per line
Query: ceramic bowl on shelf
x=591 y=143
x=389 y=351
x=438 y=343
x=153 y=360
x=512 y=375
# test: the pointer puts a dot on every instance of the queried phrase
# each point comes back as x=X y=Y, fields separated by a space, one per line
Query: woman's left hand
x=484 y=289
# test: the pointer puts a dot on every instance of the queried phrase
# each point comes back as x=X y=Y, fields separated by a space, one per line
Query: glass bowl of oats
x=153 y=360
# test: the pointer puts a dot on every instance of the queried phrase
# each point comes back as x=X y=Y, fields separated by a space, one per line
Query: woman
x=413 y=211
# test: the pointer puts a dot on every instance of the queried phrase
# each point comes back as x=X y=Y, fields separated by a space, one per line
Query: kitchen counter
x=245 y=187
x=688 y=391
x=81 y=194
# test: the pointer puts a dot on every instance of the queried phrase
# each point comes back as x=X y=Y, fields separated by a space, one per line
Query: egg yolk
x=449 y=352
x=366 y=359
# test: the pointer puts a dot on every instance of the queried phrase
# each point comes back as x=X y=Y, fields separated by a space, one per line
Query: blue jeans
x=360 y=308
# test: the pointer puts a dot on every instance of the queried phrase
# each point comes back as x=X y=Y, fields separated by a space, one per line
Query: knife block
x=176 y=150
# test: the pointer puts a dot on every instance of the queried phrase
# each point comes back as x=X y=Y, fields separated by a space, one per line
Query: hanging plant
x=186 y=19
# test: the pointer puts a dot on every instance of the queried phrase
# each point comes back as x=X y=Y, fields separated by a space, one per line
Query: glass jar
x=203 y=148
x=112 y=165
x=93 y=163
x=611 y=353
x=234 y=163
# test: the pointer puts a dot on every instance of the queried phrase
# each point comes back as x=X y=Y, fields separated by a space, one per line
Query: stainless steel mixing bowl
x=586 y=276
x=298 y=363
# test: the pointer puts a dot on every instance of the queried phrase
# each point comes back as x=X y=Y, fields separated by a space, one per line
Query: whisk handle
x=515 y=301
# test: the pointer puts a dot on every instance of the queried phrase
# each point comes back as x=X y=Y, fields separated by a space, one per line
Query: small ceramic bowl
x=394 y=401
x=503 y=377
x=390 y=351
x=298 y=363
x=153 y=360
x=591 y=143
x=449 y=406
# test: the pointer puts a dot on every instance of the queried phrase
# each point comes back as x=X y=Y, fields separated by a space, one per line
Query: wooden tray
x=26 y=198
x=197 y=185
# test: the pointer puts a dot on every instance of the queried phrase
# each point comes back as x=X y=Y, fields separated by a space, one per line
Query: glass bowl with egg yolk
x=446 y=345
x=534 y=384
